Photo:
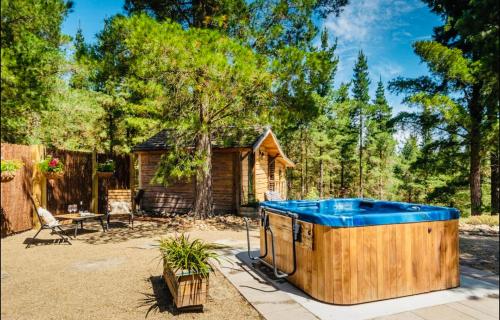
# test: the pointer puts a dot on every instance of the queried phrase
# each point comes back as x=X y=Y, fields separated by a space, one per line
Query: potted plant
x=52 y=168
x=105 y=169
x=186 y=269
x=9 y=168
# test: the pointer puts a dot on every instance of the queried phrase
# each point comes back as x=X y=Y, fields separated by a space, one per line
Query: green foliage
x=107 y=166
x=50 y=164
x=10 y=165
x=188 y=257
x=195 y=82
x=361 y=80
x=75 y=121
x=31 y=63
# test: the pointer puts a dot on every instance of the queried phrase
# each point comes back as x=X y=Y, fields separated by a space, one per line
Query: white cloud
x=387 y=70
x=364 y=21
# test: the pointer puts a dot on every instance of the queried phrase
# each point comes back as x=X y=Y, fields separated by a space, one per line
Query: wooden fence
x=78 y=184
x=119 y=180
x=16 y=210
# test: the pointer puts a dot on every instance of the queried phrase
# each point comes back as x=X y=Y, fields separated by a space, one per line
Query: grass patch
x=482 y=219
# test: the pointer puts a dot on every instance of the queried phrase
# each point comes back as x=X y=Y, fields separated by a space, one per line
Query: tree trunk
x=494 y=116
x=342 y=182
x=380 y=176
x=203 y=199
x=360 y=151
x=495 y=183
x=203 y=202
x=330 y=189
x=306 y=176
x=302 y=145
x=321 y=173
x=475 y=152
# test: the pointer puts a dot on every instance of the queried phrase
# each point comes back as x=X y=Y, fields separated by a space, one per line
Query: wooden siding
x=244 y=179
x=16 y=209
x=223 y=188
x=280 y=178
x=355 y=265
x=76 y=184
x=178 y=196
x=261 y=172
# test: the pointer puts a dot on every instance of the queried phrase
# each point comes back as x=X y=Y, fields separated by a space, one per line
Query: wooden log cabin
x=245 y=164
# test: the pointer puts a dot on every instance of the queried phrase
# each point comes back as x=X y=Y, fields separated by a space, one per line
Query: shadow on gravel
x=161 y=300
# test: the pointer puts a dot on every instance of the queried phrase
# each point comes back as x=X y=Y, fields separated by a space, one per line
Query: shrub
x=108 y=166
x=191 y=257
x=482 y=219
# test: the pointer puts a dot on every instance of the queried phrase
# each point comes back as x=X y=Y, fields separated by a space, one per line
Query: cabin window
x=271 y=164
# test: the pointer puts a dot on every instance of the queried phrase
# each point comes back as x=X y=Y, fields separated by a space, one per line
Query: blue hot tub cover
x=361 y=212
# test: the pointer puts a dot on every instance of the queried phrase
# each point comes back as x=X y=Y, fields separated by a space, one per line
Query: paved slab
x=272 y=303
x=272 y=298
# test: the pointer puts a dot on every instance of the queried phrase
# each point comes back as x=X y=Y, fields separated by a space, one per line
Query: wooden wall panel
x=75 y=186
x=362 y=264
x=178 y=196
x=16 y=209
x=261 y=171
x=244 y=180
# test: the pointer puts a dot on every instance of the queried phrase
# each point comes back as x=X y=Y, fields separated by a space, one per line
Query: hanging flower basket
x=8 y=176
x=9 y=169
x=104 y=174
x=51 y=175
x=106 y=169
x=52 y=168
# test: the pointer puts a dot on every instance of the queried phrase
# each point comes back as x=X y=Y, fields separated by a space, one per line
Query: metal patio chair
x=47 y=221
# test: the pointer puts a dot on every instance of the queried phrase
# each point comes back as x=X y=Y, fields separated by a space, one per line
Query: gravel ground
x=113 y=275
x=116 y=275
x=479 y=251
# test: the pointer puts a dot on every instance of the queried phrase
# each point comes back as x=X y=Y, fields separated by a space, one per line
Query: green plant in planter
x=189 y=257
x=10 y=166
x=107 y=166
x=51 y=165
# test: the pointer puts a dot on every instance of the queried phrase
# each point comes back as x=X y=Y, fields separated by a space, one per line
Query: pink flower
x=53 y=162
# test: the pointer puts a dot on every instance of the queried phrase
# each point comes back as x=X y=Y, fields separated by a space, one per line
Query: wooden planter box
x=187 y=290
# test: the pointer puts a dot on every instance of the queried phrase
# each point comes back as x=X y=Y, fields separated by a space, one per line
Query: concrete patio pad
x=277 y=299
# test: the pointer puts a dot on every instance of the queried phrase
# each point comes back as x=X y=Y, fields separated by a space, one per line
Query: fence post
x=95 y=183
x=39 y=180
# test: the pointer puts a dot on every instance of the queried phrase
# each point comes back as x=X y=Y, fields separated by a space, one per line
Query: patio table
x=77 y=218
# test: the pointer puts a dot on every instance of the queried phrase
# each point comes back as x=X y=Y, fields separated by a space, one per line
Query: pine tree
x=361 y=97
x=380 y=145
x=31 y=64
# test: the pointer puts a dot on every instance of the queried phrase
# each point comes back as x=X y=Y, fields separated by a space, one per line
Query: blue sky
x=383 y=29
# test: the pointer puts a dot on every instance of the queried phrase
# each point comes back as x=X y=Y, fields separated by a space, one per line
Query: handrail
x=295 y=237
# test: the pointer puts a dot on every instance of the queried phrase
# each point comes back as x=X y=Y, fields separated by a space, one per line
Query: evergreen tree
x=199 y=82
x=380 y=145
x=31 y=64
x=409 y=187
x=463 y=60
x=361 y=97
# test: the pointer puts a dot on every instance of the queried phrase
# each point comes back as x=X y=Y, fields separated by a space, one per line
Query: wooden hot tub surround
x=350 y=265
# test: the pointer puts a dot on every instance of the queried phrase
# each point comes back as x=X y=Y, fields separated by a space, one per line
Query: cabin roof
x=231 y=137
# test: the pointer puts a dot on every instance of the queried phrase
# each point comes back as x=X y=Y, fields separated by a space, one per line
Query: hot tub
x=349 y=251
